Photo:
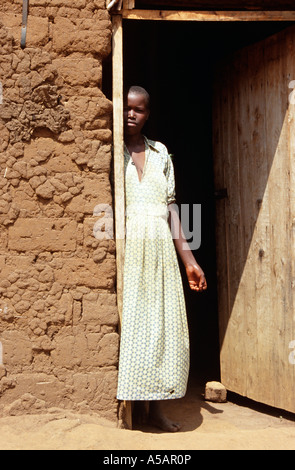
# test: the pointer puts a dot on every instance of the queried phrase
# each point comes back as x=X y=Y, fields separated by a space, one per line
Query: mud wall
x=58 y=313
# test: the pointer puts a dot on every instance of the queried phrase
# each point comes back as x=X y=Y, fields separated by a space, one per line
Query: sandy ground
x=234 y=425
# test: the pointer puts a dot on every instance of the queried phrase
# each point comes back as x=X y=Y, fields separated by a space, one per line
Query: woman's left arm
x=194 y=272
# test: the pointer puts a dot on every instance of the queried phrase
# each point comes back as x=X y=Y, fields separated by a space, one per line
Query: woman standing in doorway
x=154 y=350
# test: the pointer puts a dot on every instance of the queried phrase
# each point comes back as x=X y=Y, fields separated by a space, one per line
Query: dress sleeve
x=171 y=194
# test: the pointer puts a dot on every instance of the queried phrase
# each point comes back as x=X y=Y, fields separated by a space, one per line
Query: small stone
x=216 y=392
x=2 y=371
x=46 y=190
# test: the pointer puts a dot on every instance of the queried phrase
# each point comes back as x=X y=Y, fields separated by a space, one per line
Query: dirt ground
x=235 y=425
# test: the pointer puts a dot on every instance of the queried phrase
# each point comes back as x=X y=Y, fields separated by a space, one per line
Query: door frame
x=128 y=12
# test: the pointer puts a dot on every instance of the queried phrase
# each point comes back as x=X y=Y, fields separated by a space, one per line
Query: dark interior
x=177 y=62
x=215 y=4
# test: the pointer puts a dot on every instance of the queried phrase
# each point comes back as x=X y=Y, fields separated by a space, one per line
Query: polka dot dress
x=154 y=349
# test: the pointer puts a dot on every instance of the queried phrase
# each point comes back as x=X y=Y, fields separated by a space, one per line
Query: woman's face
x=136 y=113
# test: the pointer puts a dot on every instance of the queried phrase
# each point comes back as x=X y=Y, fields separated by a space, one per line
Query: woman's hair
x=140 y=91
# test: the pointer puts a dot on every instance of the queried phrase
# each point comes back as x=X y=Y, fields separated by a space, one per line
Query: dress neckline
x=146 y=154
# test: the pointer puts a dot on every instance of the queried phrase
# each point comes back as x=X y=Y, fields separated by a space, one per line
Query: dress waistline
x=149 y=210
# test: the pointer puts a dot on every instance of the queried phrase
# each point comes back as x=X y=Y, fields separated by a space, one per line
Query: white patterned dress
x=154 y=349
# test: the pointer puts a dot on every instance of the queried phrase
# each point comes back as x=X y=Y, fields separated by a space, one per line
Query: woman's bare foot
x=158 y=419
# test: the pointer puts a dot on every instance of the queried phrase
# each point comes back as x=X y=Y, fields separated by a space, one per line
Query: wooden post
x=178 y=15
x=118 y=141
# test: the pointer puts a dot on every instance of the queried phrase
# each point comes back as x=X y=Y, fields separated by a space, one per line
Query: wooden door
x=254 y=161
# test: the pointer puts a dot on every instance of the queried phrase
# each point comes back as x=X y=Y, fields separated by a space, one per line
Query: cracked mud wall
x=58 y=313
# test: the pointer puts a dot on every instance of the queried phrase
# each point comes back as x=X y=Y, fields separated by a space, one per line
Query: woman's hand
x=196 y=277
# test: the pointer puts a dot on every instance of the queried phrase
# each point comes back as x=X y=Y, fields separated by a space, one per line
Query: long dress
x=154 y=348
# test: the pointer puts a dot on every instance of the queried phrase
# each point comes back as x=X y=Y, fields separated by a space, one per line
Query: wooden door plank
x=280 y=189
x=258 y=385
x=291 y=153
x=219 y=133
x=235 y=219
x=274 y=124
x=245 y=288
x=231 y=317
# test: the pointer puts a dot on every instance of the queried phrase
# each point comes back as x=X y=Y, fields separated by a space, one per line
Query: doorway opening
x=177 y=62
